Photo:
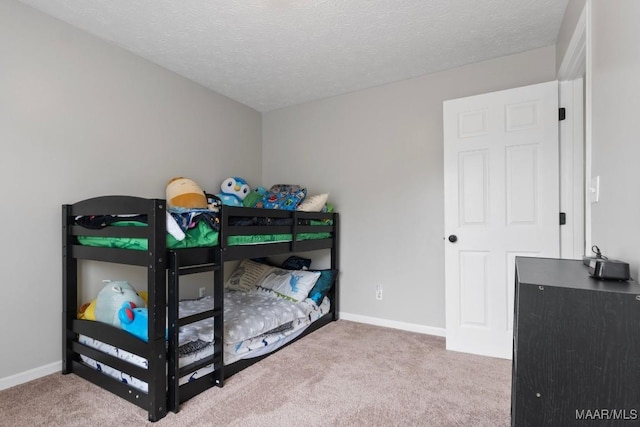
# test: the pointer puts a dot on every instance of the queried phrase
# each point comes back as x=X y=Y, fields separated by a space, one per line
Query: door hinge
x=563 y=218
x=562 y=113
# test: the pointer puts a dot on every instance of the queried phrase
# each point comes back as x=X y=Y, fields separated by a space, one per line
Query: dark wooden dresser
x=576 y=347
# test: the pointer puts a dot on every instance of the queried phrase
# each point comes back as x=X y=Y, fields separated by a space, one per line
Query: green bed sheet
x=199 y=236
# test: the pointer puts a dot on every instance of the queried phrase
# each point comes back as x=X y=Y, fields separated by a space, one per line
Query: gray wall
x=615 y=88
x=379 y=154
x=81 y=118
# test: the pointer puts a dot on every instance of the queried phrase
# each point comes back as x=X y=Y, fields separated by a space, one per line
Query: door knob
x=453 y=238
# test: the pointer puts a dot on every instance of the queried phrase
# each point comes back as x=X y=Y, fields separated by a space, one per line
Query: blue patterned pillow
x=323 y=285
x=283 y=196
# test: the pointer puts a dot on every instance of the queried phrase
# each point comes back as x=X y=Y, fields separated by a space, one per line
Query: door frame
x=575 y=140
x=572 y=181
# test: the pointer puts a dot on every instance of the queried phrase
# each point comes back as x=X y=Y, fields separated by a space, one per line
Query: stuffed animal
x=87 y=311
x=111 y=298
x=134 y=320
x=234 y=190
x=252 y=199
x=186 y=194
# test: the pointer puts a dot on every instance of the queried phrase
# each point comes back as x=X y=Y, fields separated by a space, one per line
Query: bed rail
x=268 y=220
x=154 y=260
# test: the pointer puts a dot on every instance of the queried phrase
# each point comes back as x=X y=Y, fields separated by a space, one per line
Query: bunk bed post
x=218 y=324
x=156 y=288
x=69 y=290
x=335 y=265
x=173 y=315
x=222 y=231
x=218 y=298
x=294 y=232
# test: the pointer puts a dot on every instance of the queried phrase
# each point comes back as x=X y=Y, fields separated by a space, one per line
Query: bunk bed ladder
x=176 y=393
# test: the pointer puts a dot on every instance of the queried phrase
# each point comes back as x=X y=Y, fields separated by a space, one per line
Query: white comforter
x=246 y=315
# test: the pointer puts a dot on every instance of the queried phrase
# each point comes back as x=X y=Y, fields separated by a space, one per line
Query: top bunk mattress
x=199 y=236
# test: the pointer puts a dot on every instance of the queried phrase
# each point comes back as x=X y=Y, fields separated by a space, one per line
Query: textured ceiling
x=270 y=54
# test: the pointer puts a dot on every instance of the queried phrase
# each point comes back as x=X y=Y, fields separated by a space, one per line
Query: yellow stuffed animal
x=185 y=193
x=87 y=311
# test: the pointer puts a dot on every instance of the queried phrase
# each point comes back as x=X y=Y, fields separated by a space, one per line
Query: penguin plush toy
x=233 y=191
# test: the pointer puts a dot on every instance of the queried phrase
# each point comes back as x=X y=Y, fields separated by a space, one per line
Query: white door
x=501 y=185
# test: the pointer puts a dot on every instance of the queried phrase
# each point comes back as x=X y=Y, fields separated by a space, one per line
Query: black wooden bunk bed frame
x=162 y=375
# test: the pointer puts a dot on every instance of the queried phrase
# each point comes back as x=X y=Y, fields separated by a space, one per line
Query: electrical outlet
x=379 y=292
x=202 y=292
x=594 y=190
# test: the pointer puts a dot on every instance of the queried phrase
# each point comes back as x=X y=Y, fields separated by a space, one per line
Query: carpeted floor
x=345 y=374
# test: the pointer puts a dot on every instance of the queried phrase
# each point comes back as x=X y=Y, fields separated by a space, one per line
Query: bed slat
x=111 y=335
x=187 y=369
x=114 y=362
x=114 y=255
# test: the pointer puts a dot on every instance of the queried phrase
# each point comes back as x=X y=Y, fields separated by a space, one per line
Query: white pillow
x=314 y=203
x=290 y=284
x=247 y=275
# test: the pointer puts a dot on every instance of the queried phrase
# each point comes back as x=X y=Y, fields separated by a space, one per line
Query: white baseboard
x=411 y=327
x=30 y=375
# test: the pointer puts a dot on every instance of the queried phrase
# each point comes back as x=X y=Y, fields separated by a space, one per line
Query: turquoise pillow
x=323 y=285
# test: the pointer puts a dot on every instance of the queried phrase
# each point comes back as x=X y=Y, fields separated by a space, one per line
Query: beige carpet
x=345 y=374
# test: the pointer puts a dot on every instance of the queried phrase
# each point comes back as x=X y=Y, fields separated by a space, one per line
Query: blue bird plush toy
x=134 y=320
x=234 y=190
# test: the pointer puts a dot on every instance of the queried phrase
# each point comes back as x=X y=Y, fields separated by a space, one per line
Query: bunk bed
x=280 y=232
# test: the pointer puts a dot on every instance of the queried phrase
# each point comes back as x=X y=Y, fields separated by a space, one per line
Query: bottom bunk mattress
x=256 y=323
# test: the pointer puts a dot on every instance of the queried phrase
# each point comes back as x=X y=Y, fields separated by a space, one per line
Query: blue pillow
x=283 y=196
x=323 y=285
